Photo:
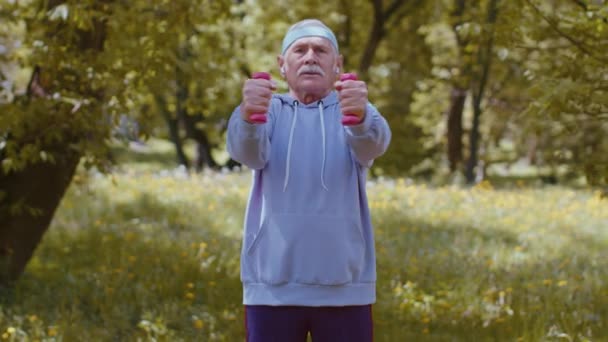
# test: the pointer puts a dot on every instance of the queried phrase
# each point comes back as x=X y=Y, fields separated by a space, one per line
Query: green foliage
x=545 y=100
x=66 y=111
x=103 y=60
x=568 y=113
x=401 y=63
x=156 y=43
x=137 y=256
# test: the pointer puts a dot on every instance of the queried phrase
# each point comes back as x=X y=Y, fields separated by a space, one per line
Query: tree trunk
x=231 y=164
x=478 y=89
x=459 y=91
x=40 y=187
x=473 y=146
x=457 y=100
x=173 y=126
x=204 y=158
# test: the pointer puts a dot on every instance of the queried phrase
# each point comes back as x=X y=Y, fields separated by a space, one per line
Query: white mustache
x=311 y=69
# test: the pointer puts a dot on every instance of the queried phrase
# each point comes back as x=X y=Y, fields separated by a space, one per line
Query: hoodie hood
x=330 y=100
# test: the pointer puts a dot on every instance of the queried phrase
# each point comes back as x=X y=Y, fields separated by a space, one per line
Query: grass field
x=147 y=255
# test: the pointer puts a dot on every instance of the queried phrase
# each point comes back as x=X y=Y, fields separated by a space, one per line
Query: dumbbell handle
x=259 y=118
x=349 y=119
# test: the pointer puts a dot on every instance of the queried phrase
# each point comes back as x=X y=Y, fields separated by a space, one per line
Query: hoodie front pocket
x=316 y=250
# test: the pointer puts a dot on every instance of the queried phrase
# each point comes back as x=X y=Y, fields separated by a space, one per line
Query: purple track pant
x=293 y=323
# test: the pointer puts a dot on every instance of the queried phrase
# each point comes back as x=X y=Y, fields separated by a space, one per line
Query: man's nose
x=309 y=57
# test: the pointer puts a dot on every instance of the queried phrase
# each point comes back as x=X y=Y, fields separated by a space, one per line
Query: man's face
x=310 y=66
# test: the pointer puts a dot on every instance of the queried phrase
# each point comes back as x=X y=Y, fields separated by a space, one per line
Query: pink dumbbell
x=259 y=118
x=349 y=119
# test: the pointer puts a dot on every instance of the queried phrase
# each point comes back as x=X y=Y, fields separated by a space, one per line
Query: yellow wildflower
x=198 y=324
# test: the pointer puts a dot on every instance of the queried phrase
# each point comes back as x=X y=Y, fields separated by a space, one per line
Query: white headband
x=308 y=31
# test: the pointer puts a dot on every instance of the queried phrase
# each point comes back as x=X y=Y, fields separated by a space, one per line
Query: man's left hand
x=353 y=97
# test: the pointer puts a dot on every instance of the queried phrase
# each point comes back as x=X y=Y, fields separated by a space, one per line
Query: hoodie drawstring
x=321 y=117
x=293 y=126
x=288 y=161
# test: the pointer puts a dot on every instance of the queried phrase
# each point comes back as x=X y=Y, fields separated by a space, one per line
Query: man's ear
x=338 y=68
x=281 y=63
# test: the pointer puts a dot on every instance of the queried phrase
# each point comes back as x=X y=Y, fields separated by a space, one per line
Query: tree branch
x=573 y=41
x=391 y=9
x=485 y=56
x=583 y=5
x=376 y=34
x=401 y=14
x=537 y=48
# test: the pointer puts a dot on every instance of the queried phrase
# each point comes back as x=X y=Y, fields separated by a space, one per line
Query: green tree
x=567 y=117
x=60 y=120
x=461 y=37
x=94 y=62
x=186 y=71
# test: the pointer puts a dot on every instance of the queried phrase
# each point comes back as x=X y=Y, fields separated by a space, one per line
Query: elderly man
x=308 y=258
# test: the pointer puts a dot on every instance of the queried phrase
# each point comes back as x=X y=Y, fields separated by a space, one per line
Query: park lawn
x=154 y=255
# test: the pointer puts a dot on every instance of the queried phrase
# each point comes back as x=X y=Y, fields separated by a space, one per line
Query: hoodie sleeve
x=249 y=144
x=369 y=139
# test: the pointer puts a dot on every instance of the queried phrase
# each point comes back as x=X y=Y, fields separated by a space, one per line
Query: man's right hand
x=257 y=94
